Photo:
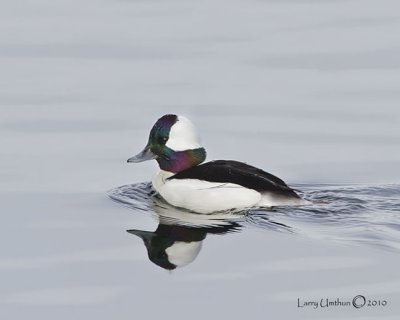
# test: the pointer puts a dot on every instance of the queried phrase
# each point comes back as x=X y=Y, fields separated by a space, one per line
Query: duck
x=186 y=181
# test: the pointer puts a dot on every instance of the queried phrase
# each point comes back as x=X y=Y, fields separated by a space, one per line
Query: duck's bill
x=145 y=155
x=145 y=235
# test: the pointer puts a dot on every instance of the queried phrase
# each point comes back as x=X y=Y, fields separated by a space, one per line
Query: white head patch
x=183 y=136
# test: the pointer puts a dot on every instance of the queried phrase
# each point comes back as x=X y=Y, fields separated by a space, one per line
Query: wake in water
x=351 y=213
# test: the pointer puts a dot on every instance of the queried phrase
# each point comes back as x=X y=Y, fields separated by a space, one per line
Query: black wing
x=229 y=171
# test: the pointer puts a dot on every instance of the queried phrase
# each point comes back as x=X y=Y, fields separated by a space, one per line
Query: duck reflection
x=178 y=238
x=173 y=246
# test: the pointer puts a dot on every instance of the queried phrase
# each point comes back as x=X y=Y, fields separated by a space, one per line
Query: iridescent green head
x=173 y=142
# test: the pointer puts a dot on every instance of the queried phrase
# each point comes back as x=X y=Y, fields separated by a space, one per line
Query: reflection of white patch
x=183 y=253
x=183 y=136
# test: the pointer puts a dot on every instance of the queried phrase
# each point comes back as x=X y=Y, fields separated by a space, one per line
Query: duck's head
x=174 y=143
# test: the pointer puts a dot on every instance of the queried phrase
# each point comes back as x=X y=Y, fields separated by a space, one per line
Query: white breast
x=203 y=196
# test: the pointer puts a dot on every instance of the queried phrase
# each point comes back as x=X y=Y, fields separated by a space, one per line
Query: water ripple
x=350 y=213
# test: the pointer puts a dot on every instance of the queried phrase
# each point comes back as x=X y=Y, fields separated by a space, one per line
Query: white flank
x=183 y=253
x=183 y=136
x=203 y=196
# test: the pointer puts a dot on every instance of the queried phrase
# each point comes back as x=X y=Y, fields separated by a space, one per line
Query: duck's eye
x=163 y=139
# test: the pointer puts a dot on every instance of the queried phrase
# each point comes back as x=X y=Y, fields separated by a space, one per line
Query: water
x=350 y=214
x=306 y=90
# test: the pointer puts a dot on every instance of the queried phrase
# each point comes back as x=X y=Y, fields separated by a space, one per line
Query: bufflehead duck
x=220 y=185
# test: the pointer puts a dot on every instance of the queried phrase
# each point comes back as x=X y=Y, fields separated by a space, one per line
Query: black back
x=229 y=171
